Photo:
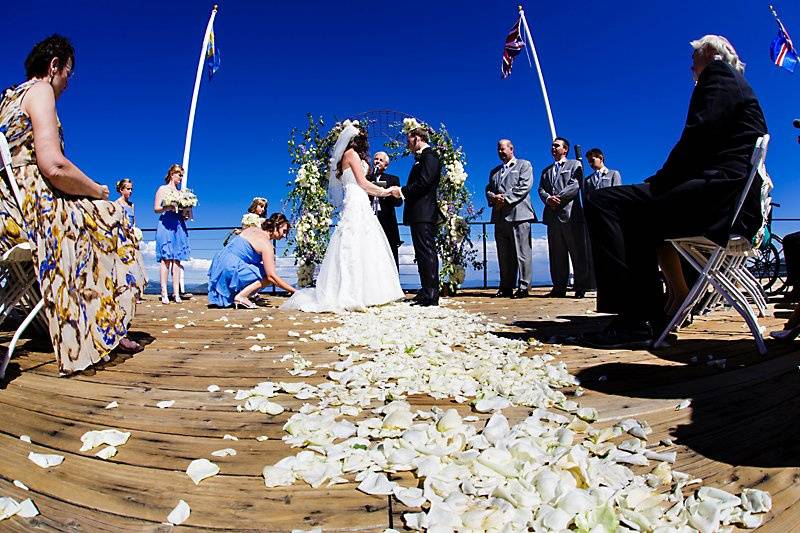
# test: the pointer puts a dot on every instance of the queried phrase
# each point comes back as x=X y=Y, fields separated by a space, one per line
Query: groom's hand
x=395 y=191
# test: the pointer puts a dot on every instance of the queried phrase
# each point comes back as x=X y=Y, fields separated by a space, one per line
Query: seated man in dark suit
x=694 y=193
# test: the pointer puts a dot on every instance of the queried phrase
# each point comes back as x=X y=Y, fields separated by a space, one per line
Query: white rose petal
x=112 y=405
x=224 y=452
x=377 y=484
x=107 y=453
x=27 y=509
x=683 y=405
x=46 y=460
x=20 y=484
x=489 y=405
x=229 y=437
x=8 y=507
x=199 y=469
x=213 y=388
x=25 y=438
x=262 y=438
x=756 y=501
x=179 y=514
x=110 y=437
x=165 y=403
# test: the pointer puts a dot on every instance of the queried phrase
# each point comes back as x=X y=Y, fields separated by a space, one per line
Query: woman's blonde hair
x=257 y=201
x=172 y=169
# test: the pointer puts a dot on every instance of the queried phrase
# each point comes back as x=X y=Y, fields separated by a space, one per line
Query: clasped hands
x=497 y=200
x=394 y=191
x=553 y=202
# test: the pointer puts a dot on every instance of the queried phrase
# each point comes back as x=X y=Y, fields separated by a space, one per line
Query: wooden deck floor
x=740 y=431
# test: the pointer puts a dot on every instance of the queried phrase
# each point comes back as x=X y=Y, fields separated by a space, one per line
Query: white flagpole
x=188 y=144
x=539 y=71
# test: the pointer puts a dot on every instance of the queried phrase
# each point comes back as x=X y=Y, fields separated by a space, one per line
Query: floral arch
x=313 y=214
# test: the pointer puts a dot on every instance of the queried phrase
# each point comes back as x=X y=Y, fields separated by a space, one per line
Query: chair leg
x=17 y=334
x=739 y=302
x=694 y=294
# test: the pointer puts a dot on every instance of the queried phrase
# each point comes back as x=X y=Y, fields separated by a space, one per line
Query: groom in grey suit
x=559 y=189
x=508 y=192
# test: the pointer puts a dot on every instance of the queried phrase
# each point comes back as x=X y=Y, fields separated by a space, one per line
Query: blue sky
x=617 y=72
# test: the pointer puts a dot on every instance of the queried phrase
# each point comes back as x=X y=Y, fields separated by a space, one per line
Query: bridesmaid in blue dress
x=247 y=264
x=125 y=189
x=172 y=238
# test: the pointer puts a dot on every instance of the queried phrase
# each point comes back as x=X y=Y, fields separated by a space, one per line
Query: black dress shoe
x=503 y=293
x=556 y=294
x=521 y=293
x=621 y=334
x=580 y=294
x=429 y=303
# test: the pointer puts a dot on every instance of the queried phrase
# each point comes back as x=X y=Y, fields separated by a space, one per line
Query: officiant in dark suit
x=508 y=192
x=384 y=207
x=422 y=213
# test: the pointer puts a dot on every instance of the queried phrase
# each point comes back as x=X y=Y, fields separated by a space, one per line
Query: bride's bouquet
x=251 y=220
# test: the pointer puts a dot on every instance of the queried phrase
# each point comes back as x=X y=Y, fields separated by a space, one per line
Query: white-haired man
x=694 y=193
x=384 y=207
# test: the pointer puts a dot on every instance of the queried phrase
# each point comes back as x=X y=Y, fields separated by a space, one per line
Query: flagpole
x=190 y=127
x=539 y=71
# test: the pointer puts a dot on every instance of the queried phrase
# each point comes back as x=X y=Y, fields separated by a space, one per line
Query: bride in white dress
x=358 y=270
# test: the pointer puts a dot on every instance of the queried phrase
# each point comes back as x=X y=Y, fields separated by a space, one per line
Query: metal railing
x=210 y=241
x=211 y=238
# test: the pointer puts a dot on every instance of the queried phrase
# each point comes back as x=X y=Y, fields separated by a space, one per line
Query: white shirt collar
x=602 y=171
x=424 y=145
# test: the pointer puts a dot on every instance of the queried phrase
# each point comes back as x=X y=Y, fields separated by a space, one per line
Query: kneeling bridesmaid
x=247 y=264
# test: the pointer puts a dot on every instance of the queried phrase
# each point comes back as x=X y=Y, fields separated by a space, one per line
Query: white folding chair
x=722 y=269
x=18 y=281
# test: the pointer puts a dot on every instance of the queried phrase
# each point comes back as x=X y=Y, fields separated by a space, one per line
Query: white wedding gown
x=358 y=270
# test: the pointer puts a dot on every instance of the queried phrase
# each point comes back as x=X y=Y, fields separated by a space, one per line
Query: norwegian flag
x=514 y=45
x=782 y=50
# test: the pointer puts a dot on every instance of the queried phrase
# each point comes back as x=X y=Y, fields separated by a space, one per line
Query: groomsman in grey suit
x=601 y=178
x=559 y=189
x=508 y=192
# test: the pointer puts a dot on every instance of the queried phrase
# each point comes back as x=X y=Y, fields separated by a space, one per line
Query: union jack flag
x=514 y=45
x=782 y=50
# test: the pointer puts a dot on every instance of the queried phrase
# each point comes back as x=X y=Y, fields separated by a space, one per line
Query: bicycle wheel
x=765 y=267
x=779 y=285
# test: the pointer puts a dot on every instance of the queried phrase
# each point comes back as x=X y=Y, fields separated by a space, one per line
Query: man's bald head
x=505 y=150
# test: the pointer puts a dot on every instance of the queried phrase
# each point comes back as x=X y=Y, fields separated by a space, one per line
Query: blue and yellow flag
x=212 y=55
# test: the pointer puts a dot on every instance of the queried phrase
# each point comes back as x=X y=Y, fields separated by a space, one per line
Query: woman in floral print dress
x=89 y=269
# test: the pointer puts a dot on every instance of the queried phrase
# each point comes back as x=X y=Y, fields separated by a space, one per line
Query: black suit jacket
x=722 y=126
x=386 y=215
x=421 y=189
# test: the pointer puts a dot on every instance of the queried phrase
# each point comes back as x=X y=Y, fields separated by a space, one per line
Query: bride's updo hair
x=275 y=222
x=360 y=144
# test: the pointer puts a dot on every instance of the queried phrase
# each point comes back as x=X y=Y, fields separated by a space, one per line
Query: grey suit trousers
x=567 y=241
x=513 y=241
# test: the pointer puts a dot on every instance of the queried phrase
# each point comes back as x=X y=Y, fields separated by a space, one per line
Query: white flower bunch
x=456 y=174
x=410 y=124
x=186 y=199
x=251 y=220
x=171 y=198
x=307 y=175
